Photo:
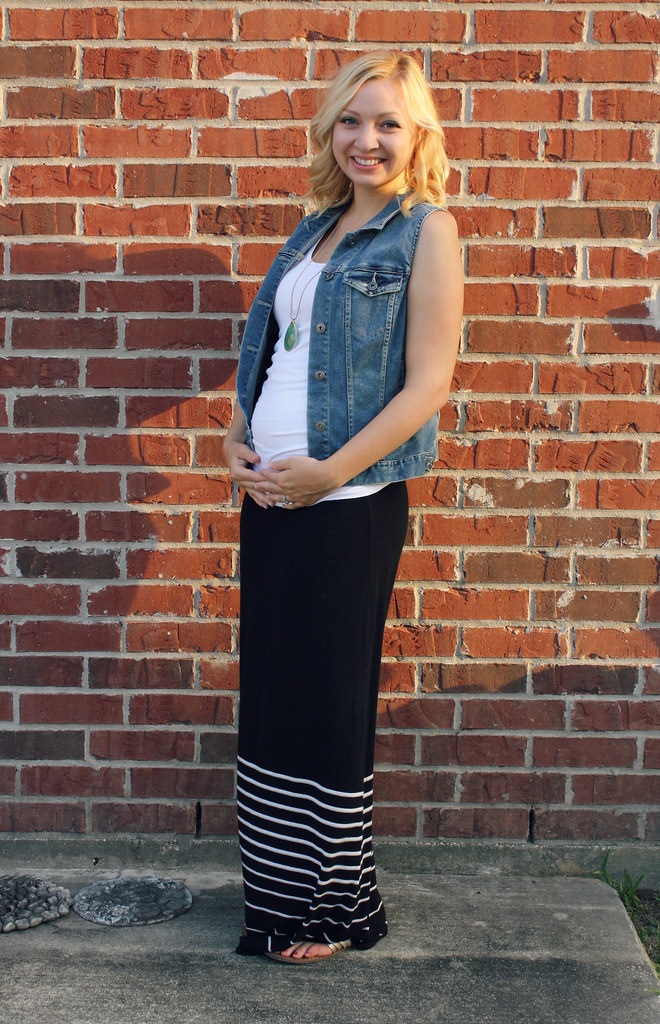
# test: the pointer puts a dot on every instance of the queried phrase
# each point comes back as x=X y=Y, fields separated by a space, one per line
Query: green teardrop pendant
x=291 y=336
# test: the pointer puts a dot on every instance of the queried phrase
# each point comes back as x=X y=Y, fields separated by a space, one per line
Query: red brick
x=218 y=747
x=195 y=23
x=172 y=709
x=218 y=675
x=26 y=816
x=26 y=140
x=597 y=144
x=615 y=715
x=652 y=753
x=602 y=66
x=475 y=142
x=190 y=258
x=532 y=27
x=38 y=295
x=578 y=678
x=136 y=526
x=18 y=62
x=595 y=378
x=623 y=337
x=495 y=221
x=78 y=708
x=86 y=23
x=529 y=104
x=391 y=27
x=158 y=104
x=179 y=488
x=479 y=822
x=140 y=673
x=218 y=819
x=284 y=23
x=193 y=637
x=466 y=749
x=199 y=179
x=477 y=529
x=193 y=783
x=517 y=336
x=631 y=183
x=506 y=715
x=583 y=752
x=625 y=27
x=66 y=563
x=162 y=373
x=63 y=258
x=62 y=486
x=39 y=599
x=144 y=745
x=40 y=745
x=618 y=416
x=520 y=260
x=38 y=371
x=124 y=141
x=619 y=494
x=218 y=527
x=593 y=456
x=522 y=182
x=615 y=789
x=40 y=671
x=100 y=219
x=588 y=825
x=595 y=222
x=486 y=66
x=617 y=643
x=471 y=603
x=222 y=602
x=253 y=142
x=587 y=605
x=21 y=448
x=143 y=817
x=595 y=300
x=82 y=332
x=515 y=567
x=141 y=600
x=8 y=777
x=410 y=787
x=285 y=63
x=500 y=299
x=625 y=104
x=283 y=104
x=512 y=642
x=32 y=525
x=513 y=787
x=73 y=780
x=416 y=713
x=410 y=641
x=62 y=180
x=394 y=749
x=247 y=221
x=432 y=492
x=517 y=415
x=65 y=411
x=616 y=569
x=65 y=102
x=184 y=413
x=137 y=450
x=55 y=635
x=394 y=821
x=265 y=181
x=137 y=62
x=179 y=333
x=474 y=677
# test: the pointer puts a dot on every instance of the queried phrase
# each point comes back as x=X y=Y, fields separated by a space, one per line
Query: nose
x=368 y=137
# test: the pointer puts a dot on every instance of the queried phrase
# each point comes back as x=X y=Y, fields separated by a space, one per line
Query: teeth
x=367 y=163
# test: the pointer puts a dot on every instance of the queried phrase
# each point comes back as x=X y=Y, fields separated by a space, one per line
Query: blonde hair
x=427 y=173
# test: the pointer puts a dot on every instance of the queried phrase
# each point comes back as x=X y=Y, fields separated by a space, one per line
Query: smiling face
x=373 y=138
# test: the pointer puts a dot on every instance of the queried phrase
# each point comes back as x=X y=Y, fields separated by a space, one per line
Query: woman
x=347 y=357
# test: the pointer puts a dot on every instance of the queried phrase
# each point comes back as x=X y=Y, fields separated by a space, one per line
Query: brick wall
x=153 y=159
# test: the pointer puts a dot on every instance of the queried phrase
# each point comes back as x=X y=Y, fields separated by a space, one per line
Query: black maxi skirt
x=315 y=589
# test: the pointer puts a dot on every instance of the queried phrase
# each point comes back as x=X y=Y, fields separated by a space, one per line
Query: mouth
x=367 y=161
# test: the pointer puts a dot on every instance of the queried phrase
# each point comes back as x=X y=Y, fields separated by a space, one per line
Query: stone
x=26 y=901
x=123 y=902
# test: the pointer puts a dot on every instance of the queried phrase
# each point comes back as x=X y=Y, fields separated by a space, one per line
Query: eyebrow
x=385 y=113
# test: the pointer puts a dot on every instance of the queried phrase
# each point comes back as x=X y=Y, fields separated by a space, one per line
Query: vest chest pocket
x=371 y=298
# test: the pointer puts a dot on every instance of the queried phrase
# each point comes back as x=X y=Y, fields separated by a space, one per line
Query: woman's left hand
x=299 y=480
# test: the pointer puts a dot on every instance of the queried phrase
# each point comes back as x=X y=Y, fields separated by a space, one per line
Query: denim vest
x=358 y=334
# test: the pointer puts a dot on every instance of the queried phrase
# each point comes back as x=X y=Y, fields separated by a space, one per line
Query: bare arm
x=242 y=461
x=435 y=306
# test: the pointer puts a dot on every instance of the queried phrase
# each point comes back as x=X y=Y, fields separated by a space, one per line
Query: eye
x=347 y=120
x=391 y=124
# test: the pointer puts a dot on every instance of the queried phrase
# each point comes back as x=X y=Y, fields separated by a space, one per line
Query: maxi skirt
x=315 y=588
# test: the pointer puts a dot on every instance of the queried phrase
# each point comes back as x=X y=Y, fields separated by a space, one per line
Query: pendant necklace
x=291 y=333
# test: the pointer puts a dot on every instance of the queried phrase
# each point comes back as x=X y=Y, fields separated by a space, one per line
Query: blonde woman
x=346 y=359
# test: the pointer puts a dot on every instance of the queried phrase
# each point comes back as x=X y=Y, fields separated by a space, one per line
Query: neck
x=365 y=206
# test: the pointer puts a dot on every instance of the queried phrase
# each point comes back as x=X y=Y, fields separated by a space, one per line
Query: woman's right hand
x=241 y=461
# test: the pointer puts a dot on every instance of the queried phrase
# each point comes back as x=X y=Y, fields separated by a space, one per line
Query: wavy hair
x=427 y=172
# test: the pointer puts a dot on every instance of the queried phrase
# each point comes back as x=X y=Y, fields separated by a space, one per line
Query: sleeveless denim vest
x=358 y=333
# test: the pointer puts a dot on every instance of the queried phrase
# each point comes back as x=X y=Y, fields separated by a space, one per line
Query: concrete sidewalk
x=461 y=950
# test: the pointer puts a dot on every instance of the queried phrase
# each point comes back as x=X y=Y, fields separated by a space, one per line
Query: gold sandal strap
x=336 y=947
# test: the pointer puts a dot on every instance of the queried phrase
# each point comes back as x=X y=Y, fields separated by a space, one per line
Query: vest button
x=320 y=328
x=320 y=425
x=351 y=241
x=319 y=375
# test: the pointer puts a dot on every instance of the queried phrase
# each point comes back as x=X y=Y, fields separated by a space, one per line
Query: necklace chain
x=291 y=333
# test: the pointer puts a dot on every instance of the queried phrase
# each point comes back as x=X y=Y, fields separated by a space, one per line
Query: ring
x=286 y=502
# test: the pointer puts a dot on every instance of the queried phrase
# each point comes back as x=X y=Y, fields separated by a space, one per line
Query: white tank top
x=279 y=420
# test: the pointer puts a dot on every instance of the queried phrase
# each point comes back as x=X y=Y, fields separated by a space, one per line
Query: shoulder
x=438 y=231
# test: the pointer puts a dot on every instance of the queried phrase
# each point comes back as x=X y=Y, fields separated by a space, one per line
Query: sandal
x=335 y=947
